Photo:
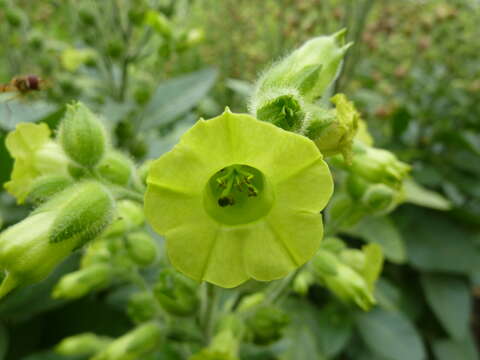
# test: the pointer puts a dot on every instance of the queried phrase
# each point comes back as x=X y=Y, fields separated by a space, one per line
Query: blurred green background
x=151 y=68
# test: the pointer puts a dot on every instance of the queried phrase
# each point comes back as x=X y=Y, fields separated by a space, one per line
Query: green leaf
x=391 y=335
x=302 y=346
x=382 y=230
x=437 y=243
x=336 y=327
x=176 y=97
x=3 y=341
x=449 y=298
x=450 y=350
x=421 y=196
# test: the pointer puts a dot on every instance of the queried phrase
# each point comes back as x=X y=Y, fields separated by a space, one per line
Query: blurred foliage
x=147 y=67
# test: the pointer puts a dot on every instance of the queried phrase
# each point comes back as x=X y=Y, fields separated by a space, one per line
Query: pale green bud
x=176 y=293
x=302 y=282
x=377 y=199
x=134 y=345
x=333 y=131
x=30 y=249
x=97 y=252
x=130 y=216
x=85 y=344
x=142 y=307
x=51 y=158
x=46 y=186
x=310 y=69
x=266 y=325
x=141 y=248
x=378 y=166
x=80 y=283
x=82 y=135
x=116 y=168
x=325 y=263
x=159 y=22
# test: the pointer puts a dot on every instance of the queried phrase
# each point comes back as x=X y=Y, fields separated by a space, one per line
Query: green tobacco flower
x=35 y=155
x=238 y=198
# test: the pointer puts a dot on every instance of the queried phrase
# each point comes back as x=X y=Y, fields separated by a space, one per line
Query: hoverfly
x=23 y=85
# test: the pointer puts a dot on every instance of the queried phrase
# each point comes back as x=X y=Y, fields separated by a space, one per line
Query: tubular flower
x=35 y=155
x=238 y=198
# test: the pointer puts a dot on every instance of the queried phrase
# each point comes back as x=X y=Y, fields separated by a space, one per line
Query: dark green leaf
x=449 y=298
x=336 y=326
x=382 y=230
x=3 y=342
x=391 y=335
x=453 y=350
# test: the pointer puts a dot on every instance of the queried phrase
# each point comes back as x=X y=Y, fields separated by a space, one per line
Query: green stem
x=208 y=311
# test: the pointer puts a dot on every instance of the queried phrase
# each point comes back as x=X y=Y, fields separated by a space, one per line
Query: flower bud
x=46 y=186
x=302 y=282
x=80 y=283
x=267 y=324
x=309 y=69
x=116 y=168
x=30 y=249
x=141 y=248
x=176 y=293
x=133 y=345
x=97 y=252
x=142 y=307
x=333 y=131
x=378 y=166
x=130 y=215
x=159 y=22
x=251 y=301
x=85 y=344
x=82 y=135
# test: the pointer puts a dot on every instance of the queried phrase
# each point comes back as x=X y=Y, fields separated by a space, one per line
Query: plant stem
x=208 y=314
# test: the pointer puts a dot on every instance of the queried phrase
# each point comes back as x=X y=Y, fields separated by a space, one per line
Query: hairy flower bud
x=81 y=282
x=266 y=325
x=142 y=307
x=141 y=248
x=378 y=166
x=129 y=216
x=85 y=344
x=133 y=345
x=46 y=186
x=82 y=135
x=116 y=168
x=30 y=249
x=333 y=131
x=176 y=293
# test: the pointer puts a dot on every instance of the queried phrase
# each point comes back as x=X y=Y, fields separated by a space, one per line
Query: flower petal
x=301 y=231
x=308 y=189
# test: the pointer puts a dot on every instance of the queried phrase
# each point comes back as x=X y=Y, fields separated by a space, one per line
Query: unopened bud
x=267 y=324
x=159 y=22
x=30 y=249
x=133 y=345
x=251 y=301
x=85 y=344
x=333 y=131
x=116 y=168
x=378 y=166
x=82 y=135
x=46 y=186
x=141 y=248
x=81 y=282
x=302 y=282
x=309 y=69
x=142 y=307
x=130 y=215
x=176 y=293
x=283 y=110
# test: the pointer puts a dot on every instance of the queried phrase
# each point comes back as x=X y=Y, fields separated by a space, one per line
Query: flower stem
x=208 y=311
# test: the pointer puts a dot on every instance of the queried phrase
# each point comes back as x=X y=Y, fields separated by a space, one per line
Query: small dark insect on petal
x=33 y=82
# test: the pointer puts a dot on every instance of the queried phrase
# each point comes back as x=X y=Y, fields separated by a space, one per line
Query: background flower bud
x=142 y=307
x=129 y=216
x=266 y=325
x=133 y=345
x=284 y=111
x=81 y=282
x=141 y=248
x=176 y=293
x=85 y=344
x=82 y=135
x=46 y=186
x=116 y=168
